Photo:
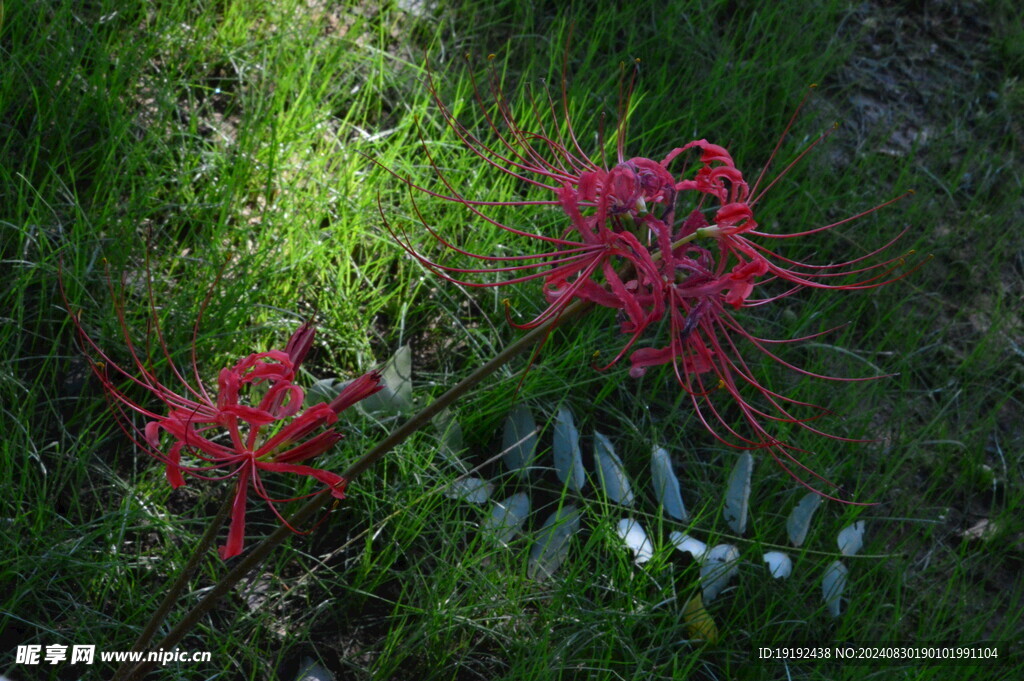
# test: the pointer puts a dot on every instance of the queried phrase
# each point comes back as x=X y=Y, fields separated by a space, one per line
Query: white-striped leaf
x=799 y=520
x=779 y=564
x=396 y=395
x=737 y=495
x=519 y=439
x=452 y=447
x=666 y=484
x=551 y=545
x=631 y=532
x=310 y=671
x=720 y=565
x=473 y=490
x=566 y=446
x=507 y=517
x=832 y=586
x=851 y=539
x=324 y=390
x=611 y=472
x=687 y=544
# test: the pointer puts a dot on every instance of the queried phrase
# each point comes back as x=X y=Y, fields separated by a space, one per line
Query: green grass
x=233 y=140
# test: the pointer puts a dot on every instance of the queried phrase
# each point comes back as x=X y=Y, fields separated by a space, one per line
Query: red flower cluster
x=227 y=436
x=623 y=248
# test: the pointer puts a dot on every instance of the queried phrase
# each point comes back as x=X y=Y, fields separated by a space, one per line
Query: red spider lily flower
x=703 y=345
x=735 y=228
x=254 y=423
x=604 y=207
x=622 y=249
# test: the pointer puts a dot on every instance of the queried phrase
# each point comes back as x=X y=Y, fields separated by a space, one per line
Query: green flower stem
x=174 y=592
x=256 y=555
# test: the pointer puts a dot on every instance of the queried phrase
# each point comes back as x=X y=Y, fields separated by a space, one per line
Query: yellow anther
x=491 y=56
